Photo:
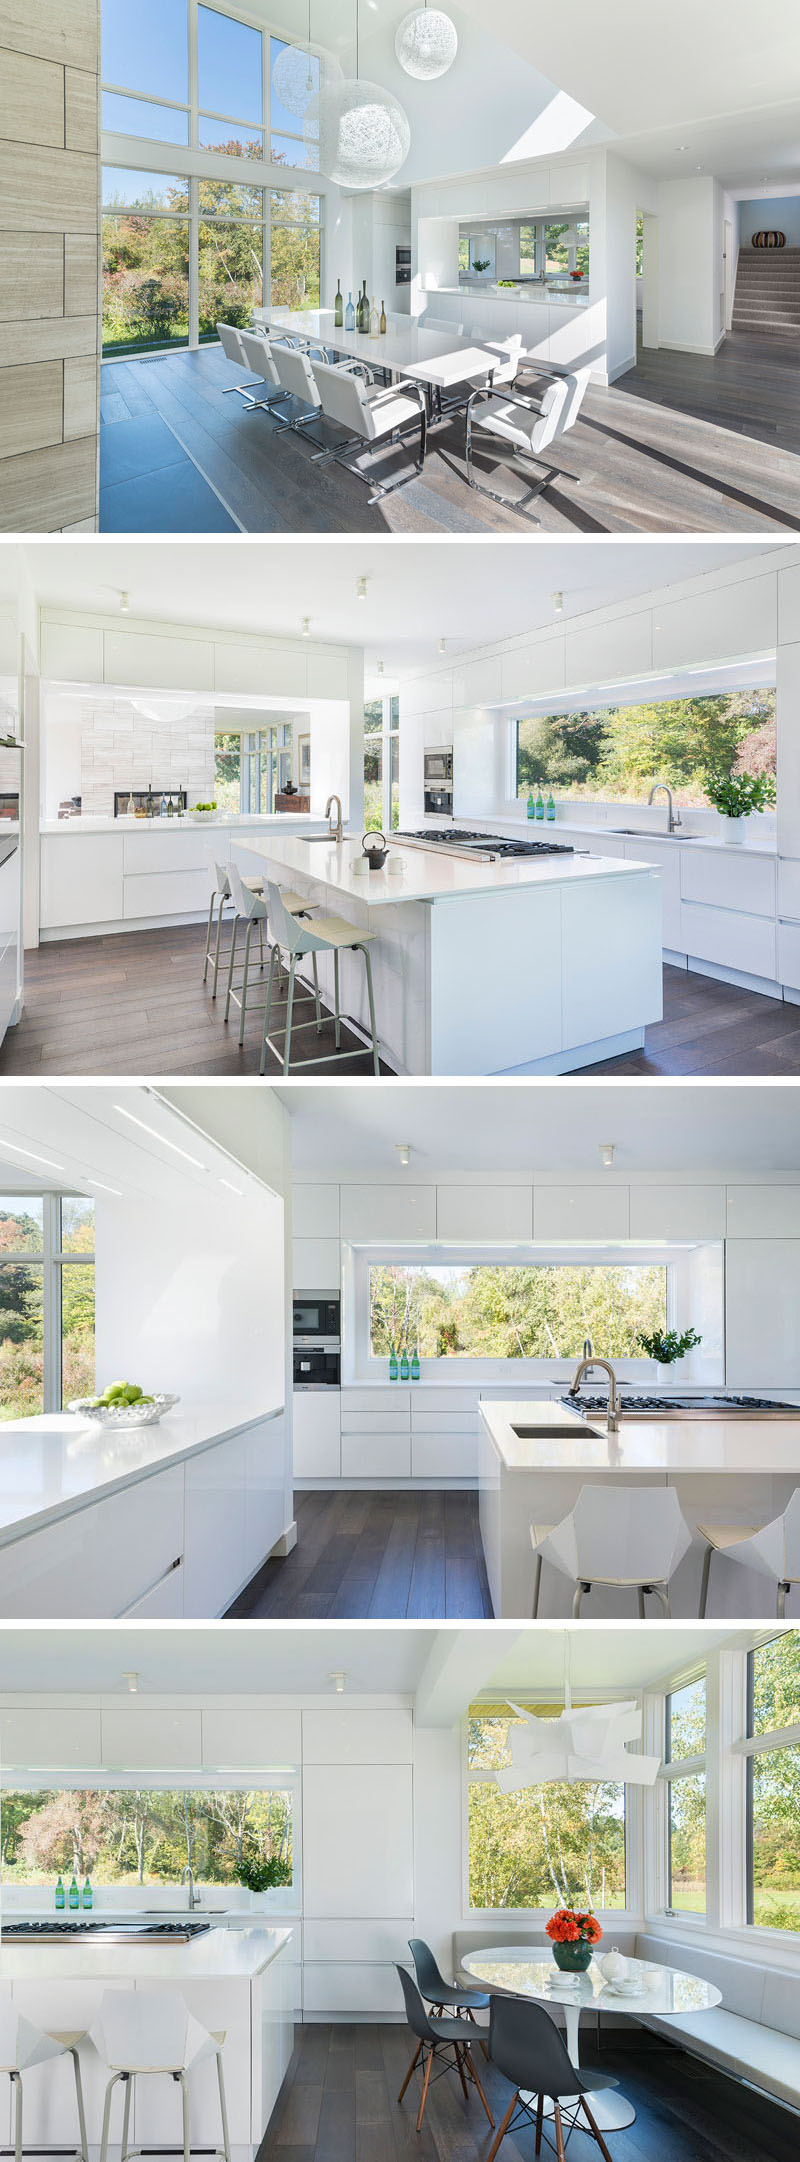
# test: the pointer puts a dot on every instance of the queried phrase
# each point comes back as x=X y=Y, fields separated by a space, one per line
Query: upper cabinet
x=529 y=670
x=478 y=683
x=317 y=1264
x=72 y=652
x=45 y=1735
x=261 y=670
x=388 y=1212
x=168 y=664
x=238 y=1736
x=315 y=1212
x=762 y=1299
x=580 y=1212
x=484 y=1212
x=764 y=1212
x=352 y=1736
x=737 y=618
x=605 y=650
x=677 y=1212
x=140 y=1736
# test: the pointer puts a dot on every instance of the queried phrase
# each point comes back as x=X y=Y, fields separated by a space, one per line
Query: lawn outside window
x=684 y=1772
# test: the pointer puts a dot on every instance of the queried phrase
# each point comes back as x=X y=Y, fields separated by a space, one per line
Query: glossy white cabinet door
x=316 y=1435
x=358 y=1840
x=746 y=943
x=267 y=1490
x=789 y=955
x=729 y=879
x=145 y=1736
x=164 y=1602
x=445 y=1453
x=94 y=1564
x=72 y=652
x=535 y=668
x=158 y=663
x=316 y=1264
x=246 y=1735
x=388 y=1212
x=789 y=889
x=376 y=1455
x=214 y=1555
x=165 y=893
x=49 y=1736
x=580 y=1212
x=81 y=879
x=620 y=648
x=677 y=1212
x=623 y=918
x=351 y=1736
x=364 y=1941
x=484 y=1212
x=764 y=1212
x=355 y=1987
x=315 y=1212
x=279 y=670
x=762 y=1305
x=737 y=618
x=667 y=858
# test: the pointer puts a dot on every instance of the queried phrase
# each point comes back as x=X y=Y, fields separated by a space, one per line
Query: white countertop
x=220 y=1954
x=553 y=297
x=662 y=1446
x=750 y=846
x=84 y=824
x=426 y=876
x=54 y=1464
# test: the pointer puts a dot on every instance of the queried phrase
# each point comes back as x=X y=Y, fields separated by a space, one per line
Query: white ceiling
x=482 y=591
x=92 y=1147
x=693 y=1129
x=250 y=1659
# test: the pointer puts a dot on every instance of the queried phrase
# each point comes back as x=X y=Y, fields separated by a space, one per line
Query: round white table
x=517 y=1971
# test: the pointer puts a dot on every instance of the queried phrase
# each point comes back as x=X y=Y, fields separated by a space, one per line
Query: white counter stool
x=141 y=2034
x=297 y=940
x=220 y=894
x=22 y=2045
x=250 y=908
x=626 y=1537
x=774 y=1551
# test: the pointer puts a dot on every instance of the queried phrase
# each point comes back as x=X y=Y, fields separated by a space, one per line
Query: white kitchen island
x=234 y=1980
x=725 y=1470
x=537 y=965
x=160 y=1522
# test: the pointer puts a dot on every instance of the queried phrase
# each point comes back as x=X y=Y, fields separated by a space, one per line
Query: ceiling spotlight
x=124 y=604
x=442 y=645
x=361 y=589
x=131 y=1679
x=607 y=1153
x=380 y=668
x=337 y=1682
x=305 y=626
x=404 y=1152
x=558 y=603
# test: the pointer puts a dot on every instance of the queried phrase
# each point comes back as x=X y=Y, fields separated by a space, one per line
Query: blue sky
x=145 y=50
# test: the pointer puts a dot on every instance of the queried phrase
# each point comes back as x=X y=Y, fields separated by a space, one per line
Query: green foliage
x=146 y=259
x=736 y=795
x=495 y=1311
x=614 y=754
x=667 y=1347
x=543 y=1846
x=261 y=1873
x=147 y=1836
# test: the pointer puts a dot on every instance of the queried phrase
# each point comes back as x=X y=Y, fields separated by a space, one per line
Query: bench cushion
x=740 y=1980
x=769 y=2060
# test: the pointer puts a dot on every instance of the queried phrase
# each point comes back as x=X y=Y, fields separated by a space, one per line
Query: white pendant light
x=361 y=130
x=298 y=74
x=426 y=43
x=590 y=1744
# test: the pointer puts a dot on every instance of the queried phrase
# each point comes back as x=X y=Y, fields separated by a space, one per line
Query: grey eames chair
x=526 y=2046
x=448 y=2039
x=440 y=1994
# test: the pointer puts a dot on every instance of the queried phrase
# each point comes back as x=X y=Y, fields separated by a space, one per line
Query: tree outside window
x=773 y=1784
x=46 y=1303
x=684 y=1751
x=147 y=1836
x=500 y=1311
x=546 y=1846
x=614 y=754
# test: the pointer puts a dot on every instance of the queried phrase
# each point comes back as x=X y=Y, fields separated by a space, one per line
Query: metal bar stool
x=250 y=908
x=140 y=2035
x=220 y=894
x=298 y=939
x=22 y=2045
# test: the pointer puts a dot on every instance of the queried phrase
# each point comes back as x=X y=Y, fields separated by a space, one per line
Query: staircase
x=767 y=296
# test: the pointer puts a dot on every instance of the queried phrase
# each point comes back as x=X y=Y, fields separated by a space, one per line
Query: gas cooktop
x=684 y=1407
x=138 y=1927
x=491 y=848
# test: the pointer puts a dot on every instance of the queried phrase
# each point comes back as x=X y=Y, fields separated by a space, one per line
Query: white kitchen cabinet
x=358 y=1840
x=580 y=1212
x=789 y=888
x=731 y=939
x=315 y=1212
x=789 y=955
x=163 y=1602
x=349 y=1735
x=395 y=1397
x=389 y=1420
x=267 y=670
x=620 y=648
x=717 y=625
x=165 y=893
x=445 y=1449
x=163 y=846
x=478 y=683
x=762 y=1304
x=81 y=879
x=93 y=1564
x=666 y=856
x=364 y=1941
x=327 y=674
x=528 y=670
x=624 y=920
x=789 y=791
x=484 y=1212
x=316 y=1264
x=158 y=663
x=72 y=652
x=267 y=1482
x=763 y=1212
x=140 y=1737
x=9 y=938
x=677 y=1212
x=50 y=1737
x=241 y=1736
x=376 y=1454
x=351 y=1987
x=428 y=694
x=729 y=879
x=316 y=1434
x=389 y=1212
x=214 y=1551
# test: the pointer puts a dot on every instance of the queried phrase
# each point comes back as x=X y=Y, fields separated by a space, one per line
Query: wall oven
x=317 y=1368
x=437 y=772
x=316 y=1317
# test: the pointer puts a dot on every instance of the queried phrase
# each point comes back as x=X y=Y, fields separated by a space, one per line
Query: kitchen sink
x=643 y=833
x=553 y=1433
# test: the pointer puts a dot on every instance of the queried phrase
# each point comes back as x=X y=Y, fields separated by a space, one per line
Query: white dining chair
x=231 y=342
x=142 y=2034
x=22 y=2046
x=371 y=414
x=295 y=941
x=772 y=1549
x=527 y=425
x=626 y=1537
x=258 y=355
x=250 y=908
x=296 y=374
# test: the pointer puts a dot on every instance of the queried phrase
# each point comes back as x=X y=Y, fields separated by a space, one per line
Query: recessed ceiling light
x=607 y=1153
x=361 y=589
x=153 y=1130
x=32 y=1156
x=404 y=1152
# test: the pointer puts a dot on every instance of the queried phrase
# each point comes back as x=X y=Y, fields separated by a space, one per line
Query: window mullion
x=727 y=1791
x=194 y=264
x=194 y=134
x=51 y=1304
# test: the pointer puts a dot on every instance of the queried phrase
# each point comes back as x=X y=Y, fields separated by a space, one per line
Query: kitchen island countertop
x=58 y=1462
x=219 y=1954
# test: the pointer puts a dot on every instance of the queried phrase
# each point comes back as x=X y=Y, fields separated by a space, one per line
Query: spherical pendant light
x=426 y=43
x=299 y=75
x=362 y=131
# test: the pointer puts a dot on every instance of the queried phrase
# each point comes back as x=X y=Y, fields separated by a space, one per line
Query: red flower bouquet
x=573 y=1936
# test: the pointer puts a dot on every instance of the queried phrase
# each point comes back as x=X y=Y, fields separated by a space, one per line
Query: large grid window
x=773 y=1784
x=685 y=1775
x=543 y=1847
x=613 y=754
x=251 y=766
x=147 y=1836
x=382 y=765
x=46 y=1302
x=145 y=260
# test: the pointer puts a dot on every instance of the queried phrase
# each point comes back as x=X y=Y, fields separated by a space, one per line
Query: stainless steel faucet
x=674 y=821
x=585 y=1366
x=193 y=1898
x=334 y=831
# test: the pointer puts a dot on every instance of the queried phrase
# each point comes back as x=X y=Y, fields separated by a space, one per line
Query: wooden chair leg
x=411 y=2069
x=595 y=2129
x=474 y=2023
x=503 y=2128
x=460 y=2068
x=559 y=2132
x=539 y=2122
x=468 y=2058
x=425 y=2085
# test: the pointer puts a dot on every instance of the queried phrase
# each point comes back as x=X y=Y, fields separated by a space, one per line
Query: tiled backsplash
x=121 y=748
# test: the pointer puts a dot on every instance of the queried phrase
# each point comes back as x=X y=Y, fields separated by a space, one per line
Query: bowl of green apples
x=123 y=1404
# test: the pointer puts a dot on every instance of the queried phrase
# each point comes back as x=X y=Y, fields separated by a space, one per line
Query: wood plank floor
x=339 y=2104
x=680 y=444
x=405 y=1556
x=135 y=1003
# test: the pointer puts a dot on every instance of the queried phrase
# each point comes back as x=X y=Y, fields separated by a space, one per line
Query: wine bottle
x=364 y=311
x=349 y=314
x=383 y=318
x=338 y=306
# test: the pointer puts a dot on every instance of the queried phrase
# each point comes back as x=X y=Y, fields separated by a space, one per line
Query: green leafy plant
x=666 y=1348
x=262 y=1872
x=737 y=794
x=482 y=262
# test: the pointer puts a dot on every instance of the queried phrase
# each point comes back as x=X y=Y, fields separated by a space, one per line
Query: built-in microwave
x=316 y=1316
x=437 y=770
x=314 y=1368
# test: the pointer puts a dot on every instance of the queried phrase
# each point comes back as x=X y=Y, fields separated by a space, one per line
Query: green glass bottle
x=540 y=805
x=74 y=1894
x=404 y=1366
x=363 y=311
x=61 y=1899
x=531 y=804
x=415 y=1366
x=551 y=809
x=383 y=318
x=338 y=306
x=87 y=1895
x=393 y=1364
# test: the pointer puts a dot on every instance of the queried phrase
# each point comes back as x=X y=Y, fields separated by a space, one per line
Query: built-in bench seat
x=753 y=2034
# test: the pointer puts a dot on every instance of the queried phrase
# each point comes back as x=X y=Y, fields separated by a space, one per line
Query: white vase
x=734 y=830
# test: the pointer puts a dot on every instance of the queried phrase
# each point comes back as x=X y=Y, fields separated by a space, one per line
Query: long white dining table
x=406 y=347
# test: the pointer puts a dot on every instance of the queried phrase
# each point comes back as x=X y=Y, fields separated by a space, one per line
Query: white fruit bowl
x=202 y=818
x=117 y=1415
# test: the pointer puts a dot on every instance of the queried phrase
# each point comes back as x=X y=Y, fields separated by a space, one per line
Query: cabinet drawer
x=445 y=1456
x=355 y=1988
x=379 y=1456
x=95 y=1564
x=165 y=893
x=170 y=848
x=340 y=1942
x=375 y=1422
x=735 y=941
x=444 y=1422
x=444 y=1399
x=394 y=1396
x=747 y=883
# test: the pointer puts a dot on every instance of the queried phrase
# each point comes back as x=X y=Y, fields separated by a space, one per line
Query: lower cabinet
x=316 y=1434
x=730 y=938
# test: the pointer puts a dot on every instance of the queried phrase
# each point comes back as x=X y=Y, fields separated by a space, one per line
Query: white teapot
x=613 y=1966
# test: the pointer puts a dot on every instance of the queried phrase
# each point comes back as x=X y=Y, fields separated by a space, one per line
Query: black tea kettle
x=375 y=849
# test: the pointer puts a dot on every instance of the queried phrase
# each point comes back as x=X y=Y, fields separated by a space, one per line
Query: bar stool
x=23 y=2045
x=772 y=1549
x=298 y=940
x=250 y=908
x=220 y=893
x=630 y=1537
x=139 y=2035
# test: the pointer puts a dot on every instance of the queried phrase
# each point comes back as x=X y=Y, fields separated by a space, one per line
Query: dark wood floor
x=680 y=444
x=339 y=2104
x=406 y=1556
x=136 y=1004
